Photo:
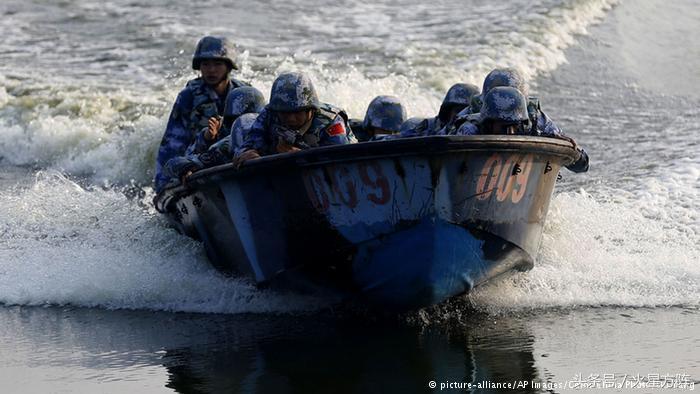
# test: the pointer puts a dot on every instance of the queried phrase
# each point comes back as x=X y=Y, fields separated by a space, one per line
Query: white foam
x=617 y=248
x=64 y=244
x=106 y=136
x=89 y=129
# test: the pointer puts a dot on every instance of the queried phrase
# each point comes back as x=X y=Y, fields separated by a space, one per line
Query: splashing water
x=65 y=244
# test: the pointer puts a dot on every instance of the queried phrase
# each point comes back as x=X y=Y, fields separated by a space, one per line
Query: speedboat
x=400 y=223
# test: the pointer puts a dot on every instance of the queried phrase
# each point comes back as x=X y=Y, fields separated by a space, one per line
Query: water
x=98 y=294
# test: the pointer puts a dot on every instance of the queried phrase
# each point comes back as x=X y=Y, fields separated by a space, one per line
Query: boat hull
x=401 y=223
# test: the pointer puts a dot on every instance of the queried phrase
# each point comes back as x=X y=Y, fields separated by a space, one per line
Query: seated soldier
x=219 y=153
x=540 y=123
x=383 y=118
x=294 y=120
x=199 y=104
x=457 y=98
x=239 y=101
x=504 y=111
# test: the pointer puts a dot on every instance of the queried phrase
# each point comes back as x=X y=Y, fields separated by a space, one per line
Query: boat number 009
x=337 y=184
x=506 y=178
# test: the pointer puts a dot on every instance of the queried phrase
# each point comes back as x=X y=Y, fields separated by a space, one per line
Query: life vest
x=324 y=117
x=206 y=103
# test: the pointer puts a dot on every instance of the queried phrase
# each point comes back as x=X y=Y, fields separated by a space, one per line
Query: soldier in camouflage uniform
x=504 y=111
x=384 y=117
x=219 y=153
x=200 y=104
x=294 y=120
x=457 y=98
x=239 y=101
x=540 y=123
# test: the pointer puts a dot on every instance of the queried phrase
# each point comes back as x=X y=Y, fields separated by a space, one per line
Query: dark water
x=98 y=295
x=88 y=350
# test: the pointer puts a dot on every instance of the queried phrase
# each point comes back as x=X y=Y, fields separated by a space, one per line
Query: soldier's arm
x=175 y=140
x=547 y=128
x=258 y=138
x=223 y=146
x=417 y=131
x=176 y=167
x=580 y=165
x=256 y=141
x=467 y=128
x=335 y=133
x=205 y=137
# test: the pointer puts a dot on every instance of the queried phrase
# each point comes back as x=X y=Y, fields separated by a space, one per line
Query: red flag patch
x=336 y=129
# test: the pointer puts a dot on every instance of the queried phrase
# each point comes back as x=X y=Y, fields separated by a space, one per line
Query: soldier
x=200 y=104
x=219 y=153
x=239 y=101
x=384 y=117
x=294 y=120
x=504 y=111
x=540 y=123
x=457 y=98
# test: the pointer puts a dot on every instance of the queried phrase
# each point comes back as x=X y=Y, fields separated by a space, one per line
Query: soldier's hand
x=245 y=156
x=283 y=147
x=183 y=177
x=213 y=130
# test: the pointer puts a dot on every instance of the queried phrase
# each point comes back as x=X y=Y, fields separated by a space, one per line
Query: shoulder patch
x=336 y=129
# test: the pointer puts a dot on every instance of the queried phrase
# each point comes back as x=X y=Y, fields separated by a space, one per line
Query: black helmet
x=217 y=48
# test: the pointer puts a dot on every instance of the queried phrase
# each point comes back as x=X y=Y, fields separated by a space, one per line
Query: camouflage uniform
x=239 y=101
x=408 y=127
x=219 y=153
x=194 y=105
x=540 y=123
x=328 y=127
x=427 y=127
x=293 y=92
x=508 y=105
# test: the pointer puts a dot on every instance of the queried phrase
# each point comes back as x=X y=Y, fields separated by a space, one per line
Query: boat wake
x=64 y=244
x=613 y=249
x=92 y=247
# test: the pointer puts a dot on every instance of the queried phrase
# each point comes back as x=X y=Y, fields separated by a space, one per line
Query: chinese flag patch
x=336 y=129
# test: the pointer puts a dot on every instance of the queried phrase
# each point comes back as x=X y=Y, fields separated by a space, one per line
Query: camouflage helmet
x=505 y=104
x=243 y=100
x=505 y=77
x=460 y=94
x=293 y=92
x=386 y=113
x=217 y=48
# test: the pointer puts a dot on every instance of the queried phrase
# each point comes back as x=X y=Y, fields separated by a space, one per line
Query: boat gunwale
x=403 y=147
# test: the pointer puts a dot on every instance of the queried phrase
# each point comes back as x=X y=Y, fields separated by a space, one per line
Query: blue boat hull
x=450 y=260
x=401 y=224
